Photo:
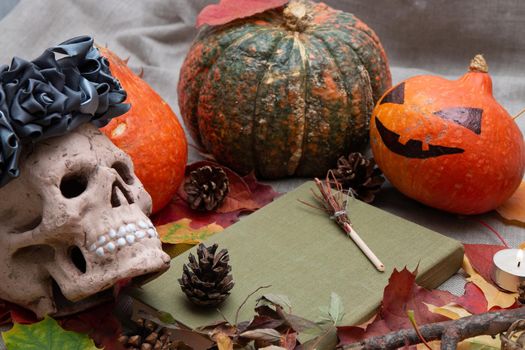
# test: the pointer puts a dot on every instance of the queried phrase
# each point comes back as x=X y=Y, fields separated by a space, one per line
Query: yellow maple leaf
x=454 y=312
x=514 y=208
x=451 y=310
x=180 y=236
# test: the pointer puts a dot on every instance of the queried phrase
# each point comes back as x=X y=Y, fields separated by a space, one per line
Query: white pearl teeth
x=111 y=247
x=126 y=234
x=99 y=251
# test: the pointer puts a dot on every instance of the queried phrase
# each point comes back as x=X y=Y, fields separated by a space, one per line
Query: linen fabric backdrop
x=420 y=37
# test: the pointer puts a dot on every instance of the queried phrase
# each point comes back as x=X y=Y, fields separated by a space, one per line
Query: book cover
x=304 y=255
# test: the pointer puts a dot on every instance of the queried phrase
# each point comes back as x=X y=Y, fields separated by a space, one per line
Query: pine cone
x=147 y=336
x=521 y=294
x=207 y=282
x=206 y=187
x=359 y=174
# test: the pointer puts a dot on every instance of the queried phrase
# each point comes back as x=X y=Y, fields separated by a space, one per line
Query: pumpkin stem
x=296 y=15
x=478 y=64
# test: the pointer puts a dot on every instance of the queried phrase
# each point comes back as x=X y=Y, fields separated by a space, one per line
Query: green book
x=303 y=254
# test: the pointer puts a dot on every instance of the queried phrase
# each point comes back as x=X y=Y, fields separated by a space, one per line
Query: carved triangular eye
x=467 y=117
x=396 y=95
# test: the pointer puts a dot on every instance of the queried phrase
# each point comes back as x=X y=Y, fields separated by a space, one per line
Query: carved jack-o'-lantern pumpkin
x=449 y=144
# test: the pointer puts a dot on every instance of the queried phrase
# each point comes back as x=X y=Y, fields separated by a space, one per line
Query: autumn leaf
x=246 y=193
x=452 y=311
x=483 y=342
x=99 y=323
x=262 y=194
x=514 y=208
x=494 y=297
x=45 y=335
x=288 y=341
x=181 y=227
x=473 y=300
x=229 y=10
x=455 y=312
x=12 y=313
x=180 y=231
x=401 y=294
x=179 y=236
x=245 y=196
x=480 y=257
x=224 y=342
x=178 y=209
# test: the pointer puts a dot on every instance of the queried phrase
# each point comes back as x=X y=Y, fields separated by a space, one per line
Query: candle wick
x=519 y=263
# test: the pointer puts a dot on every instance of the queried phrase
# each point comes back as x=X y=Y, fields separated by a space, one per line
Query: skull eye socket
x=124 y=172
x=73 y=185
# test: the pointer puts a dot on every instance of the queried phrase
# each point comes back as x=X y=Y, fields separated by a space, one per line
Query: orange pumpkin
x=150 y=134
x=448 y=144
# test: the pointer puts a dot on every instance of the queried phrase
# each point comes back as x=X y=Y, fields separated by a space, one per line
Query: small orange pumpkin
x=150 y=134
x=449 y=144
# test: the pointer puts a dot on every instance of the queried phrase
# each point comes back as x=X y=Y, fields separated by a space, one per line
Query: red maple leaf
x=480 y=256
x=400 y=295
x=99 y=323
x=229 y=10
x=473 y=300
x=245 y=196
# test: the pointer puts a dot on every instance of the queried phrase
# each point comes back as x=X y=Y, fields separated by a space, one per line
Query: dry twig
x=450 y=332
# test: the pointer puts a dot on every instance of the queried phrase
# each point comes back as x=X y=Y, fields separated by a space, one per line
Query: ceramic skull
x=74 y=224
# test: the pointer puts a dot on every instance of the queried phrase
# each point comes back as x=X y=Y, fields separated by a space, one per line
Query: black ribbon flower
x=50 y=97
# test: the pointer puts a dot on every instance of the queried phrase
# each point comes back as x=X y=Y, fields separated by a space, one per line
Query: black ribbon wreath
x=49 y=97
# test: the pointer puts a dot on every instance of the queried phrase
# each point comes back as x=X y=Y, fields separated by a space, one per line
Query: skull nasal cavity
x=73 y=185
x=120 y=195
x=78 y=258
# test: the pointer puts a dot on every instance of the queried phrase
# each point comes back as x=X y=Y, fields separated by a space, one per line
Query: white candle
x=509 y=271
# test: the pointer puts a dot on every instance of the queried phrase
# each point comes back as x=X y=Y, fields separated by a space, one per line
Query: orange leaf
x=514 y=208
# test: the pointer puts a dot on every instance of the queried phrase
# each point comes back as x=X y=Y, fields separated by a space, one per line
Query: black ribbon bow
x=50 y=97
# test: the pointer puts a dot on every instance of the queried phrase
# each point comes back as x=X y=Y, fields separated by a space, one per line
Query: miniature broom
x=335 y=205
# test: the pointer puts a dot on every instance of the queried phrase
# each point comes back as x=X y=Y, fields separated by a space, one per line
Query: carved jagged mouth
x=413 y=148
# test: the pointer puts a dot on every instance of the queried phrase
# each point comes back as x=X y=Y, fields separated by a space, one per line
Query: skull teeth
x=99 y=251
x=118 y=237
x=130 y=239
x=111 y=247
x=122 y=231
